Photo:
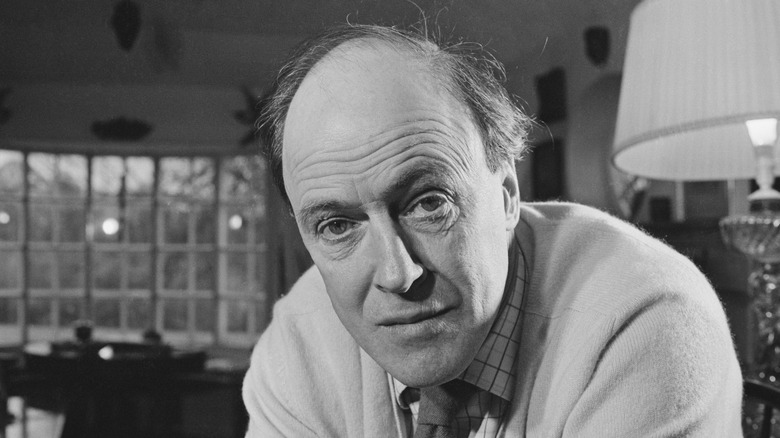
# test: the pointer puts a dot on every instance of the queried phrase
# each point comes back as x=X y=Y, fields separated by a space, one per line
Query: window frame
x=253 y=303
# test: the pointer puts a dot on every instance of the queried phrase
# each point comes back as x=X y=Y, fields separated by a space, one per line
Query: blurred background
x=132 y=199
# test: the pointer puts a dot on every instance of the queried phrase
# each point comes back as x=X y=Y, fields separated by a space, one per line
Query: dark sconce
x=597 y=45
x=121 y=129
x=126 y=22
x=249 y=115
x=5 y=113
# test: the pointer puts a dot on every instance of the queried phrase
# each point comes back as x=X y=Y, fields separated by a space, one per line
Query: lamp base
x=757 y=235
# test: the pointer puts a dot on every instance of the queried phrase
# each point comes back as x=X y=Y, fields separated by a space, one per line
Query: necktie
x=438 y=407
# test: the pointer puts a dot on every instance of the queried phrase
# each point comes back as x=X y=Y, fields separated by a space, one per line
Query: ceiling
x=191 y=59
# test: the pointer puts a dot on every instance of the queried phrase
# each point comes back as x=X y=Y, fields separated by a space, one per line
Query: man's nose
x=396 y=266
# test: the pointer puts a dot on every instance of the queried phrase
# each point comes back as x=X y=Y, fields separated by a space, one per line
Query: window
x=131 y=243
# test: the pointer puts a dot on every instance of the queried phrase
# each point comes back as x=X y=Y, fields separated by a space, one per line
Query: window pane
x=10 y=269
x=238 y=316
x=106 y=312
x=138 y=270
x=204 y=315
x=175 y=270
x=9 y=310
x=71 y=269
x=242 y=177
x=175 y=220
x=40 y=269
x=72 y=224
x=237 y=276
x=138 y=316
x=175 y=314
x=107 y=173
x=41 y=229
x=140 y=175
x=204 y=224
x=11 y=172
x=139 y=221
x=174 y=176
x=106 y=221
x=72 y=175
x=10 y=220
x=237 y=225
x=202 y=178
x=107 y=270
x=39 y=311
x=70 y=309
x=204 y=271
x=41 y=176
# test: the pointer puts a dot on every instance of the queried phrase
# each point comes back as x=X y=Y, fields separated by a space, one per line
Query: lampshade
x=694 y=72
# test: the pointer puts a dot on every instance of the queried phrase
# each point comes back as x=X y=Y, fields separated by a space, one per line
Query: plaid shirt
x=492 y=369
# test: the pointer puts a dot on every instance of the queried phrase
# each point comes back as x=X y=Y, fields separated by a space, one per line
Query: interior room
x=137 y=218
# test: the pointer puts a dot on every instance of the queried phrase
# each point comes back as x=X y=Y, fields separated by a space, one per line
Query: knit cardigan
x=622 y=337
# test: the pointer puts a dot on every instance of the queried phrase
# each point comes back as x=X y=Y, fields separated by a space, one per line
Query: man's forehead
x=358 y=78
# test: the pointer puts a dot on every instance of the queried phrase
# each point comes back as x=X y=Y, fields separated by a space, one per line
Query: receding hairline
x=423 y=51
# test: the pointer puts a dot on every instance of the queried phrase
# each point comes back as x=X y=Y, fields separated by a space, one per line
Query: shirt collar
x=493 y=368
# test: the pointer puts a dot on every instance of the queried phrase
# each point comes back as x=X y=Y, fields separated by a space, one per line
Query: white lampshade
x=695 y=71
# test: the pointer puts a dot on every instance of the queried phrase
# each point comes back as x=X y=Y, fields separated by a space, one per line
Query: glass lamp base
x=758 y=237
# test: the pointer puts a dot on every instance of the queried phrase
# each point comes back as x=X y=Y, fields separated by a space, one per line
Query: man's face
x=387 y=177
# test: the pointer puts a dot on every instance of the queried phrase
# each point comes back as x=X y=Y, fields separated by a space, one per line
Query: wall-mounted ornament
x=126 y=21
x=249 y=116
x=551 y=91
x=121 y=129
x=5 y=113
x=597 y=45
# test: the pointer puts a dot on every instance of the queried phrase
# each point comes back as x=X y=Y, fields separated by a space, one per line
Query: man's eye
x=430 y=207
x=431 y=203
x=335 y=228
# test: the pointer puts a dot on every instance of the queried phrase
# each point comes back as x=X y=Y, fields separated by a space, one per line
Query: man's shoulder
x=305 y=312
x=307 y=295
x=609 y=303
x=576 y=231
x=305 y=331
x=604 y=264
x=303 y=367
x=572 y=218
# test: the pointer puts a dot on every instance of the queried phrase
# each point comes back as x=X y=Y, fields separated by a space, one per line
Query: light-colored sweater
x=622 y=337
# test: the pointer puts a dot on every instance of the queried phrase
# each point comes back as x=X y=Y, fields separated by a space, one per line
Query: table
x=114 y=389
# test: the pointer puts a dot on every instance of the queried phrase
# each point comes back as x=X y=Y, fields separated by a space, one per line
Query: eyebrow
x=430 y=172
x=309 y=212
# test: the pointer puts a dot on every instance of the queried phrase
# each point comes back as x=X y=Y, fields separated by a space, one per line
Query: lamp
x=700 y=99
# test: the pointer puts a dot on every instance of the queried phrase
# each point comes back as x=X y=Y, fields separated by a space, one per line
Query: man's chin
x=424 y=378
x=424 y=370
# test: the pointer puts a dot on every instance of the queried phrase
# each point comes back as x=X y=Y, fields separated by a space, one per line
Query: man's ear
x=511 y=192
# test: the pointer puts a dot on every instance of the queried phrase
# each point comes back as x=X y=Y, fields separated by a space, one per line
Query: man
x=397 y=160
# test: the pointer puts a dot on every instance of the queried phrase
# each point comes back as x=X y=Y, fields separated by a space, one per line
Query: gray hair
x=467 y=70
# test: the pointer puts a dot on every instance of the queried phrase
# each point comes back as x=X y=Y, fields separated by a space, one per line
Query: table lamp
x=700 y=99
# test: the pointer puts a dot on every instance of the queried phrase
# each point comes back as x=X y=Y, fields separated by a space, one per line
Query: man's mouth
x=412 y=317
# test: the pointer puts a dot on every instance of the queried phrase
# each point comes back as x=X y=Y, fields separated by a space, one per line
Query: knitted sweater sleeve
x=271 y=413
x=668 y=371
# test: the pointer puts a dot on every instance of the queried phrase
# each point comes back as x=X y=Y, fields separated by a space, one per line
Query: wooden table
x=114 y=389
